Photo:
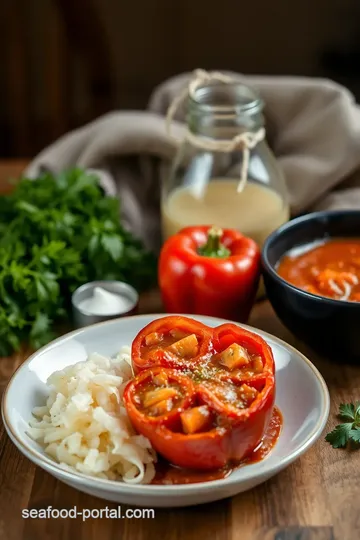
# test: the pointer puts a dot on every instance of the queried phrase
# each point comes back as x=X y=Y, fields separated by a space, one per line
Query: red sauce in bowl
x=330 y=268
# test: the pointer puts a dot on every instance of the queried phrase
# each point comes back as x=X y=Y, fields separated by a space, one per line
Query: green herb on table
x=56 y=233
x=349 y=431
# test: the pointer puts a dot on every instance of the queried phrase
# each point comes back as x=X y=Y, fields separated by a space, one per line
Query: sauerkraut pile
x=84 y=424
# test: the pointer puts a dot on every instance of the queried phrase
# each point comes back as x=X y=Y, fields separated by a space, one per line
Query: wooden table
x=316 y=498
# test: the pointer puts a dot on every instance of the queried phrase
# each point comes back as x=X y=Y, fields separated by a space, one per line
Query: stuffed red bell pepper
x=201 y=407
x=209 y=272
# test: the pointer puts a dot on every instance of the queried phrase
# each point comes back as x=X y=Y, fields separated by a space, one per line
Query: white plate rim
x=47 y=464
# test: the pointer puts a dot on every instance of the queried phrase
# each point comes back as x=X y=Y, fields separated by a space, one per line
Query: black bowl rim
x=289 y=225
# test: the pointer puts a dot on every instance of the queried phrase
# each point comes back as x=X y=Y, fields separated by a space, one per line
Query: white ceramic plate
x=301 y=395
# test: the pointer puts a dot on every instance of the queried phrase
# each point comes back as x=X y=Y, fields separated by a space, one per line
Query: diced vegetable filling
x=257 y=364
x=161 y=379
x=200 y=418
x=178 y=334
x=234 y=356
x=159 y=396
x=239 y=361
x=239 y=397
x=153 y=339
x=186 y=347
x=196 y=419
x=177 y=342
x=247 y=393
x=162 y=407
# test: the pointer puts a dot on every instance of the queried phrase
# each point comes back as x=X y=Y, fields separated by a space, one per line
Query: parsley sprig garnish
x=349 y=431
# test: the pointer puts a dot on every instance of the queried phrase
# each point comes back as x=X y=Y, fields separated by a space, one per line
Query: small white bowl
x=301 y=395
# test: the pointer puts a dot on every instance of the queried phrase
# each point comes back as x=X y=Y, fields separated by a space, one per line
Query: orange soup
x=326 y=268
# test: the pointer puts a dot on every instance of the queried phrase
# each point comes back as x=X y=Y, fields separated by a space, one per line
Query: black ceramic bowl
x=330 y=327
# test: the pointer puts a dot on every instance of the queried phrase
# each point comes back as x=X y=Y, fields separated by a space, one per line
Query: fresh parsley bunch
x=349 y=430
x=56 y=233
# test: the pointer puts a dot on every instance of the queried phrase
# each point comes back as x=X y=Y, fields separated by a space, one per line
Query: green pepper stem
x=214 y=237
x=213 y=246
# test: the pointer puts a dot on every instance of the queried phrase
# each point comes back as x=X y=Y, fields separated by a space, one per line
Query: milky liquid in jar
x=255 y=212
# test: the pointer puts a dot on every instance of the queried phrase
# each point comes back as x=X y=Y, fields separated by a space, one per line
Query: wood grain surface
x=316 y=498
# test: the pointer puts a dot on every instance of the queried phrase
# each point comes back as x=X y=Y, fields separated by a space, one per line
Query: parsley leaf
x=57 y=233
x=354 y=435
x=348 y=432
x=113 y=245
x=339 y=437
x=347 y=411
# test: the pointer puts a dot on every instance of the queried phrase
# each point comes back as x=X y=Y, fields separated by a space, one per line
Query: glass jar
x=201 y=187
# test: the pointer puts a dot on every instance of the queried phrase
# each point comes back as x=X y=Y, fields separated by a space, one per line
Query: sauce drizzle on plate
x=167 y=474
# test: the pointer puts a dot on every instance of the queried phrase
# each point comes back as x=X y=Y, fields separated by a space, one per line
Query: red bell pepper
x=209 y=272
x=213 y=411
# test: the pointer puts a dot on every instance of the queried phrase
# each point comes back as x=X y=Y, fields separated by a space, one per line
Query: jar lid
x=85 y=316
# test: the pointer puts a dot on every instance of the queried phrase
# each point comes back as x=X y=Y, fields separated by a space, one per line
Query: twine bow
x=243 y=141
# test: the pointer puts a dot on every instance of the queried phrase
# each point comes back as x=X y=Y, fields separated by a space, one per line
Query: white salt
x=103 y=302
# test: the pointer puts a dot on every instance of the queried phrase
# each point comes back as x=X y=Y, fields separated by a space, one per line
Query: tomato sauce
x=167 y=474
x=330 y=268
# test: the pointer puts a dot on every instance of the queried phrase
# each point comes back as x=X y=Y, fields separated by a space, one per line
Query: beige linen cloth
x=313 y=127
